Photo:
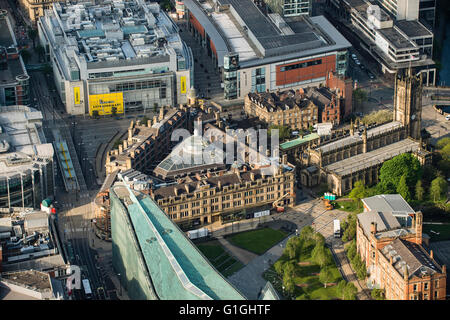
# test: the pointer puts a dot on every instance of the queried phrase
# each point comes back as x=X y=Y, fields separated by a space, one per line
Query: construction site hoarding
x=105 y=104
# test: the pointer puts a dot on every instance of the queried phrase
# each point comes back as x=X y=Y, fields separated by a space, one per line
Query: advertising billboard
x=183 y=84
x=76 y=95
x=106 y=103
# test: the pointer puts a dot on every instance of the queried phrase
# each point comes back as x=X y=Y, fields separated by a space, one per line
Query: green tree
x=284 y=132
x=403 y=189
x=321 y=255
x=362 y=271
x=291 y=249
x=325 y=276
x=438 y=188
x=289 y=269
x=420 y=191
x=392 y=170
x=443 y=142
x=289 y=284
x=358 y=192
x=340 y=288
x=307 y=233
x=377 y=294
x=351 y=250
x=350 y=291
x=278 y=266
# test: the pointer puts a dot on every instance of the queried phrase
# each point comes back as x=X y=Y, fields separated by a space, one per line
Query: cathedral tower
x=408 y=103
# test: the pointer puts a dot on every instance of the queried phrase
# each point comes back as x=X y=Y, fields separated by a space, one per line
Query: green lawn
x=257 y=241
x=349 y=206
x=219 y=258
x=442 y=229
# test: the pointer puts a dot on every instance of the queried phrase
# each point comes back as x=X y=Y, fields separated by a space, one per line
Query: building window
x=425 y=286
x=436 y=294
x=415 y=288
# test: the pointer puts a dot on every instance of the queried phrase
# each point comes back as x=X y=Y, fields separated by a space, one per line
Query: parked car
x=447 y=117
x=370 y=74
x=362 y=67
x=354 y=56
x=357 y=62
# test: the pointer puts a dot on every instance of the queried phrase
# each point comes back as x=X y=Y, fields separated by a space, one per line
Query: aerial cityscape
x=224 y=150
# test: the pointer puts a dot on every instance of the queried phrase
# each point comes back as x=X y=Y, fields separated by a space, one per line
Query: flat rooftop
x=394 y=203
x=14 y=66
x=413 y=28
x=372 y=158
x=22 y=140
x=396 y=39
x=259 y=38
x=30 y=279
x=121 y=32
x=177 y=268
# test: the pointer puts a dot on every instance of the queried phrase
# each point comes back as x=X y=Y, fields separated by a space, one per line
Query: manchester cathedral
x=360 y=154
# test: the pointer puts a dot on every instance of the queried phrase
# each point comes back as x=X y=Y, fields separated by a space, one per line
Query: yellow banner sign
x=108 y=103
x=183 y=84
x=76 y=95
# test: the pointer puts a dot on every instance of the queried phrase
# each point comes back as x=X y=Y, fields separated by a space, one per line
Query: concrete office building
x=258 y=52
x=14 y=80
x=26 y=160
x=154 y=257
x=114 y=57
x=290 y=7
x=395 y=43
x=423 y=10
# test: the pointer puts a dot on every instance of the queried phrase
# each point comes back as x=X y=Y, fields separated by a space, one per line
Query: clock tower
x=408 y=103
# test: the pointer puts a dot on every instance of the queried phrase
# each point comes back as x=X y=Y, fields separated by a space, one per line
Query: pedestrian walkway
x=242 y=255
x=348 y=274
x=249 y=279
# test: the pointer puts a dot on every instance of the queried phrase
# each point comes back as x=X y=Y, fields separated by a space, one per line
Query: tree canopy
x=438 y=188
x=392 y=171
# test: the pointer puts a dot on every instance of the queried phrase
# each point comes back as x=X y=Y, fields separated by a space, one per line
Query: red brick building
x=389 y=241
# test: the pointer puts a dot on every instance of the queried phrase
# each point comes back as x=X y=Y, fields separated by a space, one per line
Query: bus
x=87 y=289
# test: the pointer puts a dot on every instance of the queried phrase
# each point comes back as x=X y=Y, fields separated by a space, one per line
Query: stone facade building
x=389 y=241
x=360 y=154
x=215 y=197
x=287 y=108
x=147 y=143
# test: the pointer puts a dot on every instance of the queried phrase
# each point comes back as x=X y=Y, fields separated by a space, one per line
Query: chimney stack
x=405 y=273
x=373 y=227
x=431 y=254
x=252 y=176
x=444 y=269
x=219 y=184
x=149 y=123
x=175 y=190
x=186 y=186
